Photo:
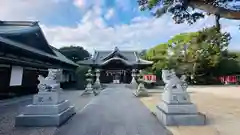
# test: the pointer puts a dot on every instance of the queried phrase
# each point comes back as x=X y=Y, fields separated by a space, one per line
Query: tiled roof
x=62 y=57
x=11 y=32
x=99 y=58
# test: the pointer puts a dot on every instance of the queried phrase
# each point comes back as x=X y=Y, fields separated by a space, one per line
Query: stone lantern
x=97 y=82
x=133 y=82
x=89 y=87
x=141 y=90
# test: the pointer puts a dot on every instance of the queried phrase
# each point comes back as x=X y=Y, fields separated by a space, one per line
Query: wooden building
x=24 y=54
x=116 y=64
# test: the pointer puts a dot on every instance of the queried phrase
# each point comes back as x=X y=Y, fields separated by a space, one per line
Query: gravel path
x=219 y=104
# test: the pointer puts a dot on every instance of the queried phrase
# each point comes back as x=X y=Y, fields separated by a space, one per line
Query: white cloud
x=86 y=4
x=110 y=13
x=139 y=19
x=26 y=9
x=92 y=31
x=134 y=36
x=79 y=3
x=93 y=18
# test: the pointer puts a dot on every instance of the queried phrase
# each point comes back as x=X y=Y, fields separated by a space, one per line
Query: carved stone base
x=97 y=86
x=176 y=97
x=179 y=114
x=133 y=86
x=90 y=91
x=142 y=93
x=116 y=81
x=48 y=109
x=47 y=98
x=44 y=120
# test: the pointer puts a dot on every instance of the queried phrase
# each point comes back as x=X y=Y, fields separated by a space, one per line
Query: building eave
x=32 y=50
x=115 y=58
x=145 y=61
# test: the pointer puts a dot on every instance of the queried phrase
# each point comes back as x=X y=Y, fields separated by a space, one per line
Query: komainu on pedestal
x=176 y=107
x=49 y=108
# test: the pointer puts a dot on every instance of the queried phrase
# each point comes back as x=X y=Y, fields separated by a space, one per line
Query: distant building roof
x=29 y=36
x=103 y=57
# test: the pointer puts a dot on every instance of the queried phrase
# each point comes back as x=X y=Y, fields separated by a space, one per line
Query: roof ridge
x=20 y=23
x=119 y=51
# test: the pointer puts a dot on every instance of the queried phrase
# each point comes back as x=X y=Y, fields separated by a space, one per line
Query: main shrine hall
x=116 y=64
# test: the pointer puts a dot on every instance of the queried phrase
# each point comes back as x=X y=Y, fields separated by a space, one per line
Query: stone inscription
x=45 y=99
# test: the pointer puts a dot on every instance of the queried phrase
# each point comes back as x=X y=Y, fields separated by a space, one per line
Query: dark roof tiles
x=102 y=57
x=29 y=36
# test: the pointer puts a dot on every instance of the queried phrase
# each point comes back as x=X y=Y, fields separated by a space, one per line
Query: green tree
x=184 y=10
x=81 y=77
x=195 y=54
x=75 y=53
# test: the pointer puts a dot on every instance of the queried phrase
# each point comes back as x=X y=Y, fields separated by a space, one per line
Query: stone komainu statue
x=51 y=82
x=172 y=81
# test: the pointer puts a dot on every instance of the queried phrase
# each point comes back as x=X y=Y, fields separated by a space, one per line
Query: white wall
x=16 y=76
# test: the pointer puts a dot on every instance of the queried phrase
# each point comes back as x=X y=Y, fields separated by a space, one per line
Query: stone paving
x=114 y=112
x=10 y=109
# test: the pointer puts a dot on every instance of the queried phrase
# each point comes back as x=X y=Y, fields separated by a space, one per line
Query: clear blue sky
x=104 y=24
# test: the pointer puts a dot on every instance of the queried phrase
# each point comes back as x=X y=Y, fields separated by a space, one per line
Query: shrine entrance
x=116 y=71
x=116 y=66
x=116 y=76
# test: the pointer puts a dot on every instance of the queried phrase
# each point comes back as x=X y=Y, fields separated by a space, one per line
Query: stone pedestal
x=48 y=109
x=177 y=109
x=88 y=89
x=134 y=83
x=116 y=81
x=97 y=84
x=141 y=91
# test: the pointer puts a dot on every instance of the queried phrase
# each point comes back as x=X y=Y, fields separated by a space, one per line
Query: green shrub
x=81 y=78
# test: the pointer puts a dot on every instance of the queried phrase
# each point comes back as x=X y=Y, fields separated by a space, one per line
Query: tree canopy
x=184 y=10
x=75 y=53
x=200 y=55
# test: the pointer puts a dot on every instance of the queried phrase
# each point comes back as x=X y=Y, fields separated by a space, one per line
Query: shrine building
x=116 y=64
x=24 y=54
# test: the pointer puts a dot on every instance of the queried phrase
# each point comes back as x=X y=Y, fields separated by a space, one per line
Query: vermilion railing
x=229 y=79
x=150 y=78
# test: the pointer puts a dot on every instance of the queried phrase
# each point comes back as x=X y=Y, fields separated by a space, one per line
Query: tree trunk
x=217 y=22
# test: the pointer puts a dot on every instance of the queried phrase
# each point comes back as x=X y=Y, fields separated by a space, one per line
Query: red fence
x=150 y=78
x=230 y=79
x=224 y=79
